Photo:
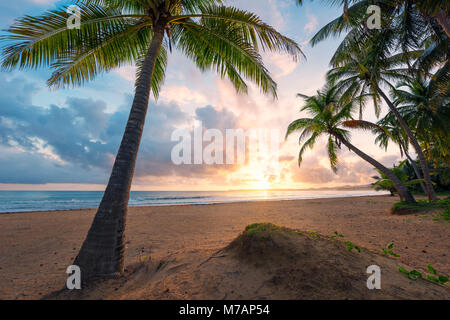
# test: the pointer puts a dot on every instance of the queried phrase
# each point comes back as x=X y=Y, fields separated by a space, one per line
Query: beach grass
x=422 y=206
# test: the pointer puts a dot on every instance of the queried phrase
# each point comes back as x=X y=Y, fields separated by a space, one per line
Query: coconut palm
x=384 y=183
x=393 y=132
x=118 y=32
x=413 y=31
x=436 y=11
x=328 y=117
x=439 y=10
x=435 y=51
x=366 y=64
x=405 y=28
x=425 y=106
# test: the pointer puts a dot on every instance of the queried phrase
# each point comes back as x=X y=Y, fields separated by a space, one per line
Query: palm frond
x=332 y=156
x=215 y=43
x=308 y=144
x=299 y=124
x=114 y=50
x=33 y=42
x=253 y=30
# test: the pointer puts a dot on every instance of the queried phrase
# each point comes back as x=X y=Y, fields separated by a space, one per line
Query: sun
x=261 y=177
x=263 y=184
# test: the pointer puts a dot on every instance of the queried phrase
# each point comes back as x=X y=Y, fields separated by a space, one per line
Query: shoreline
x=196 y=204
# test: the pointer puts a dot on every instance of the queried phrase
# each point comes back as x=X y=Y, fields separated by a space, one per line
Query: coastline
x=37 y=247
x=203 y=203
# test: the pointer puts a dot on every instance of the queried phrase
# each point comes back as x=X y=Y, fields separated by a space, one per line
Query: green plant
x=257 y=228
x=144 y=258
x=351 y=246
x=388 y=250
x=336 y=235
x=421 y=206
x=384 y=183
x=413 y=274
x=444 y=215
x=435 y=277
x=313 y=234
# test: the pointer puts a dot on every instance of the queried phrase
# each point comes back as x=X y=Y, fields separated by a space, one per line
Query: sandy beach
x=37 y=247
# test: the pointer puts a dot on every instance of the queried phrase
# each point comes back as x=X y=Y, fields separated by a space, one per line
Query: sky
x=66 y=139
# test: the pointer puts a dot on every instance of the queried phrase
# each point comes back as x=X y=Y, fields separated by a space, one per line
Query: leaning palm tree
x=117 y=32
x=364 y=68
x=328 y=116
x=393 y=132
x=367 y=60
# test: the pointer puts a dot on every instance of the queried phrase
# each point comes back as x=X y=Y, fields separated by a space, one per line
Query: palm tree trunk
x=423 y=163
x=404 y=150
x=102 y=253
x=443 y=19
x=402 y=190
x=416 y=171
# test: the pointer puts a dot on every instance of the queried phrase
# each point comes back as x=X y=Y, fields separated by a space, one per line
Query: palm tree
x=437 y=10
x=393 y=132
x=384 y=183
x=363 y=67
x=434 y=48
x=328 y=116
x=118 y=32
x=367 y=59
x=425 y=106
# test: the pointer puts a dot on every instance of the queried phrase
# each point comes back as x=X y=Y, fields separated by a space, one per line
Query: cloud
x=352 y=170
x=315 y=173
x=312 y=24
x=77 y=142
x=268 y=10
x=69 y=139
x=182 y=95
x=23 y=167
x=128 y=73
x=212 y=118
x=281 y=64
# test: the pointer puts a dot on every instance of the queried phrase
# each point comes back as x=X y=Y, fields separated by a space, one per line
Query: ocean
x=23 y=201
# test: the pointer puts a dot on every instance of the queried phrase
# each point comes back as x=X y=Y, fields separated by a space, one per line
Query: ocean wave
x=170 y=198
x=11 y=201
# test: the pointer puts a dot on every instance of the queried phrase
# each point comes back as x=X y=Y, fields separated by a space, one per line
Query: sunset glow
x=92 y=119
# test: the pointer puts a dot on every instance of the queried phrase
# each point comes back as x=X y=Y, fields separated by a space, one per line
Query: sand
x=37 y=247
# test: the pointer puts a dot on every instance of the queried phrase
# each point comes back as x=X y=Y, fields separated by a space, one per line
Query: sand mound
x=264 y=262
